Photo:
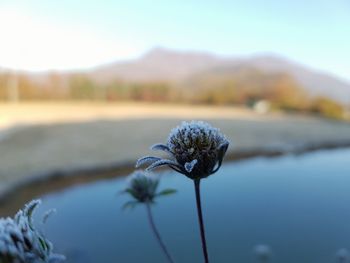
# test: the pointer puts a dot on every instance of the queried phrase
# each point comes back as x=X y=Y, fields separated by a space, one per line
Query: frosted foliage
x=197 y=149
x=20 y=242
x=146 y=159
x=195 y=134
x=160 y=147
x=189 y=166
x=161 y=162
x=142 y=187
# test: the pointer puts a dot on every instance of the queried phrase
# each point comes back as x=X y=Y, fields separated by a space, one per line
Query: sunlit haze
x=41 y=35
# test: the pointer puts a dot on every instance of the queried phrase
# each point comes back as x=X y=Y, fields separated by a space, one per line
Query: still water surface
x=298 y=205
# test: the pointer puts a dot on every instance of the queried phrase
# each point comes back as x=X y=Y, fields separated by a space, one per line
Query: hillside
x=169 y=65
x=182 y=69
x=158 y=64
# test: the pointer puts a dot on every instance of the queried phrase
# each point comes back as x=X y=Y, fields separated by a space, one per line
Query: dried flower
x=20 y=242
x=143 y=188
x=197 y=150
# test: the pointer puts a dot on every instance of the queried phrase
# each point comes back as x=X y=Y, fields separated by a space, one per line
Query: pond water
x=298 y=205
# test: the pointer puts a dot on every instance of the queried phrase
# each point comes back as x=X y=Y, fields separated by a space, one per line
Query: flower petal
x=162 y=162
x=178 y=169
x=222 y=150
x=130 y=204
x=146 y=159
x=160 y=147
x=190 y=165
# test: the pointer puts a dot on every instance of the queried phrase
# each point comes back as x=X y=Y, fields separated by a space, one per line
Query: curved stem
x=200 y=219
x=156 y=233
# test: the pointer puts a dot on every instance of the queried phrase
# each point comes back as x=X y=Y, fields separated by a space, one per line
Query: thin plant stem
x=156 y=233
x=200 y=219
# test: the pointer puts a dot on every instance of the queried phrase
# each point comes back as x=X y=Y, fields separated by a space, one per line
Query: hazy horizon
x=80 y=35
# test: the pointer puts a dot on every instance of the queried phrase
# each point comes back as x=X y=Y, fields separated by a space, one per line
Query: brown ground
x=36 y=138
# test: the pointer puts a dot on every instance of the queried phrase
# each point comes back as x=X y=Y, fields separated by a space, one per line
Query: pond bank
x=33 y=154
x=41 y=184
x=288 y=201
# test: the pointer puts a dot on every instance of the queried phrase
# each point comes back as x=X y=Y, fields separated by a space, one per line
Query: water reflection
x=297 y=205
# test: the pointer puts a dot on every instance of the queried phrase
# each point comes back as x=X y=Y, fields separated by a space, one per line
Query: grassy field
x=52 y=113
x=37 y=138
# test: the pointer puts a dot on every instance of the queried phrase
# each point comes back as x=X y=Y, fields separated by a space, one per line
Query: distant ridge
x=170 y=65
x=161 y=64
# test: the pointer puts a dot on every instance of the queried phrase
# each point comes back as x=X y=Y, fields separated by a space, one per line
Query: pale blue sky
x=64 y=34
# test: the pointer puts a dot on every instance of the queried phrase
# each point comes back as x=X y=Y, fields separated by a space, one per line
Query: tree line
x=279 y=89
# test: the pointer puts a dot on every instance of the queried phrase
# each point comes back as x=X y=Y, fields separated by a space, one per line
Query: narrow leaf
x=167 y=192
x=48 y=214
x=130 y=204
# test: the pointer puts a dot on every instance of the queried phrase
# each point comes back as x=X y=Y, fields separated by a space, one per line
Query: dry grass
x=51 y=113
x=67 y=136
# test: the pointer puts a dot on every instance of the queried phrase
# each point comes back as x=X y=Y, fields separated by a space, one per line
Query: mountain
x=314 y=81
x=169 y=65
x=184 y=68
x=158 y=64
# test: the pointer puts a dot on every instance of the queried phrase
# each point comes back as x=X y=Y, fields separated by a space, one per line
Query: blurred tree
x=12 y=88
x=82 y=87
x=328 y=108
x=228 y=86
x=285 y=93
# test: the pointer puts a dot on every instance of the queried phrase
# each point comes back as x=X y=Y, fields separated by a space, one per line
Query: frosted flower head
x=20 y=242
x=143 y=188
x=196 y=149
x=262 y=253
